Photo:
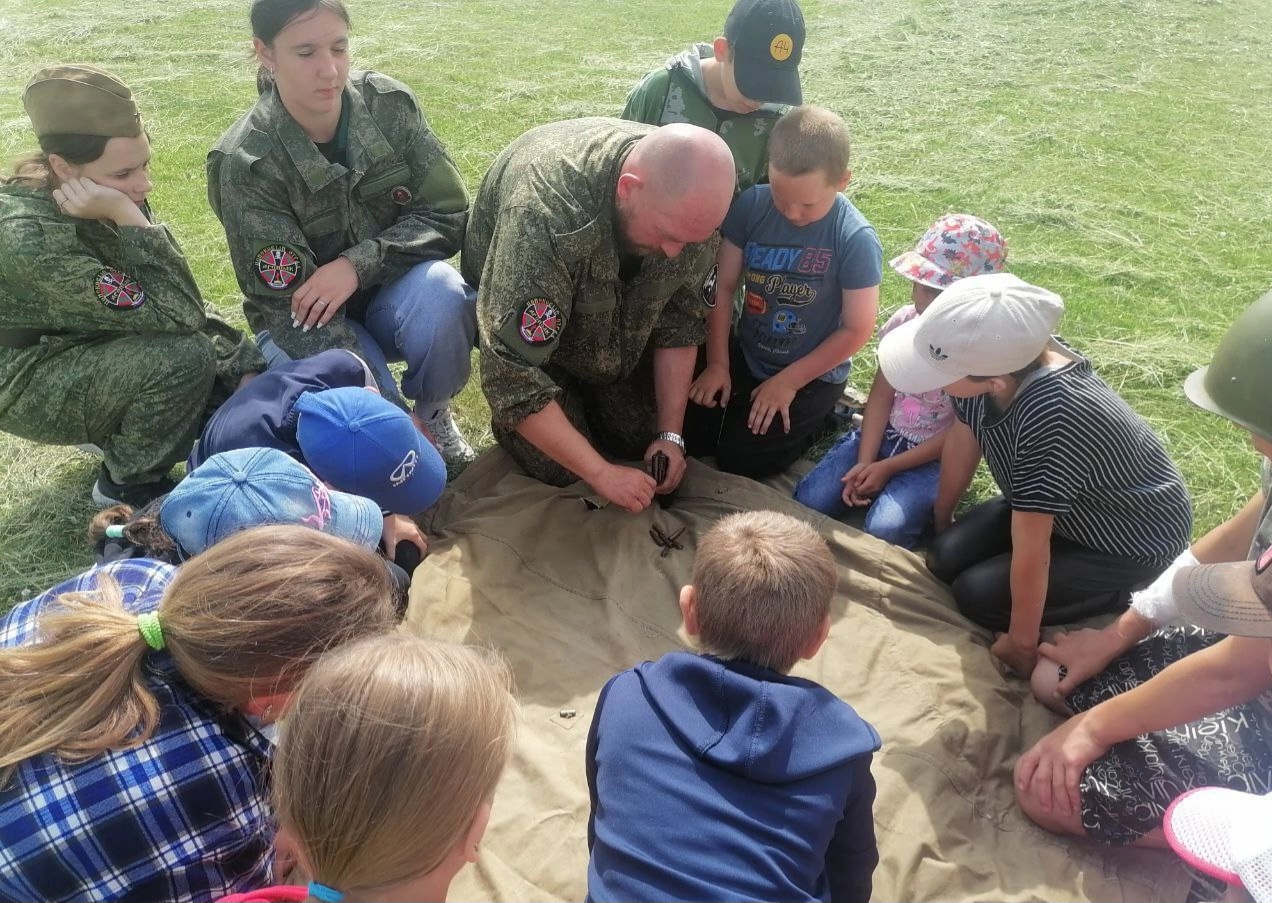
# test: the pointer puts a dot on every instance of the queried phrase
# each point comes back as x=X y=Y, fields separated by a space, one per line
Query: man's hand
x=711 y=388
x=627 y=487
x=316 y=302
x=768 y=399
x=1019 y=657
x=399 y=527
x=1085 y=653
x=85 y=199
x=1052 y=769
x=675 y=464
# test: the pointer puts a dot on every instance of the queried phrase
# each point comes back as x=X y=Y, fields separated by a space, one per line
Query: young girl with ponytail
x=129 y=768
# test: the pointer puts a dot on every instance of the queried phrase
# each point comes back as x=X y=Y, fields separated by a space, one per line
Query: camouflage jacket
x=287 y=211
x=65 y=281
x=675 y=93
x=542 y=248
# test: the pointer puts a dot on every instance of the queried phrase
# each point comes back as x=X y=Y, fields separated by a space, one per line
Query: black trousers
x=711 y=431
x=974 y=557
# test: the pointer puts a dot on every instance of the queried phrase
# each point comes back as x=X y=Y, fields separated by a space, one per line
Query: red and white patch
x=277 y=266
x=401 y=195
x=118 y=290
x=540 y=321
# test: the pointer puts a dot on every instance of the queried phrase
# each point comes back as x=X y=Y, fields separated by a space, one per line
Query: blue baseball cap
x=355 y=440
x=250 y=487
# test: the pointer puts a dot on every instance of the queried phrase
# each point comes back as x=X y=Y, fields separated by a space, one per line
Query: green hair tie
x=151 y=632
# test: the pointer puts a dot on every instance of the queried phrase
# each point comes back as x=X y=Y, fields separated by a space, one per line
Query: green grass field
x=1122 y=146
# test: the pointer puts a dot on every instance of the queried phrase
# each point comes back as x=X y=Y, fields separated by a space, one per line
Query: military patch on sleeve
x=709 y=285
x=277 y=266
x=118 y=290
x=540 y=321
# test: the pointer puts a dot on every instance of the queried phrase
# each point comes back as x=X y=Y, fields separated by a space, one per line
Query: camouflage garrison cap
x=80 y=100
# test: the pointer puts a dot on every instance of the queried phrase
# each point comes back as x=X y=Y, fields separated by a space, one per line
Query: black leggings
x=974 y=557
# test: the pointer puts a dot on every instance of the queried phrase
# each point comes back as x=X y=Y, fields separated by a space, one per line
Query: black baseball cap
x=767 y=38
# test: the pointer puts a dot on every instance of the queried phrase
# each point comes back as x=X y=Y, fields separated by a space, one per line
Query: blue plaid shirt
x=183 y=816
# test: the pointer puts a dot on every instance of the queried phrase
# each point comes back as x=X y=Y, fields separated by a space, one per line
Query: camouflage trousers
x=142 y=399
x=617 y=418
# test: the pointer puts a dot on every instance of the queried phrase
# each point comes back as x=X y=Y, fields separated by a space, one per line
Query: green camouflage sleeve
x=683 y=322
x=431 y=226
x=646 y=100
x=523 y=304
x=236 y=354
x=146 y=287
x=269 y=252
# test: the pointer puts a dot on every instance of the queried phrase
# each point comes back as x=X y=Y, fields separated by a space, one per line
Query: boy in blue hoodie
x=717 y=776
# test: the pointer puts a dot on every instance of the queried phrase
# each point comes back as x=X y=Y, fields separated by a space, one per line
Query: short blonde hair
x=810 y=139
x=388 y=749
x=764 y=582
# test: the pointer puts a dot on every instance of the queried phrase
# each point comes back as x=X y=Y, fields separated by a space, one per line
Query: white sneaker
x=456 y=451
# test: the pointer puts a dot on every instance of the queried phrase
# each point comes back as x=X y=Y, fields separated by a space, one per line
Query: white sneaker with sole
x=456 y=451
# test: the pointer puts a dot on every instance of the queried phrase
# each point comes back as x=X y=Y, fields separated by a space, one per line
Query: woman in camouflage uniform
x=104 y=338
x=340 y=207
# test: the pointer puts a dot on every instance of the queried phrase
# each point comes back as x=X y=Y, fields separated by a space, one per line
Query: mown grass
x=1121 y=146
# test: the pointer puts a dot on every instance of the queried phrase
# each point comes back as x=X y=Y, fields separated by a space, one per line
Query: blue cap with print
x=355 y=440
x=252 y=487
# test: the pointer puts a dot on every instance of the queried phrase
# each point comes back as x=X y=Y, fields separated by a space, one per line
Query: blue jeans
x=428 y=318
x=899 y=513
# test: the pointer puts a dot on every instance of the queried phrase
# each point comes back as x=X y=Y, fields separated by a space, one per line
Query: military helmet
x=1235 y=385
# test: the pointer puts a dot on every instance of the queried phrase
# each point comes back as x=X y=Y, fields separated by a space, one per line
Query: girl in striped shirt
x=1091 y=507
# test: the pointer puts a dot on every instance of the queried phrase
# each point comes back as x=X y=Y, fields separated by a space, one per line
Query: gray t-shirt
x=794 y=278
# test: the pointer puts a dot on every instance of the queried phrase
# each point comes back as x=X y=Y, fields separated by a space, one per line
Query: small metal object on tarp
x=658 y=467
x=665 y=542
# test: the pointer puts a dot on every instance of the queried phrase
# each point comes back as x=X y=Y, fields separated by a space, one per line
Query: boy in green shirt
x=738 y=86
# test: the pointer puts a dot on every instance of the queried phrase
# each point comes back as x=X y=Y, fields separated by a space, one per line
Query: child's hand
x=399 y=527
x=711 y=383
x=850 y=495
x=1016 y=656
x=870 y=480
x=770 y=398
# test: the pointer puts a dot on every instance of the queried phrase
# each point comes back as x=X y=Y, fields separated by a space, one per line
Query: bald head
x=679 y=174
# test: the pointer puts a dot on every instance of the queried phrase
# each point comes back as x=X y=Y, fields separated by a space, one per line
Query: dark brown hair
x=269 y=17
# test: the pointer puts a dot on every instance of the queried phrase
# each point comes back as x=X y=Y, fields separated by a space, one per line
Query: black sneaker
x=107 y=492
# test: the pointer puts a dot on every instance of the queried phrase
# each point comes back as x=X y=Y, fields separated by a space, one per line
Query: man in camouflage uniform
x=589 y=241
x=738 y=86
x=104 y=338
x=383 y=195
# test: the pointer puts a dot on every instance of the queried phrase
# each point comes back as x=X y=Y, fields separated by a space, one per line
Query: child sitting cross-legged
x=892 y=463
x=718 y=776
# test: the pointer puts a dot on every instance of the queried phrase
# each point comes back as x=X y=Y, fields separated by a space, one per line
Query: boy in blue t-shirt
x=811 y=267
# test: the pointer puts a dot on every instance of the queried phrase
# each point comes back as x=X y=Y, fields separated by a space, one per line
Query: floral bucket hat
x=957 y=246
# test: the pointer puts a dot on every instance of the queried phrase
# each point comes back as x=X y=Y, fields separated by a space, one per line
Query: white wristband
x=1156 y=602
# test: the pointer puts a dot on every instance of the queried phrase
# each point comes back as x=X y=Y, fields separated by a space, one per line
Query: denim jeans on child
x=899 y=513
x=428 y=318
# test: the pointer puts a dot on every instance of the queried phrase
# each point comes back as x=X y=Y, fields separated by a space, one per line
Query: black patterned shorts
x=1126 y=791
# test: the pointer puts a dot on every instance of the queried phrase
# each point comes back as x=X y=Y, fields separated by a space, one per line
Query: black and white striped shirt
x=1069 y=446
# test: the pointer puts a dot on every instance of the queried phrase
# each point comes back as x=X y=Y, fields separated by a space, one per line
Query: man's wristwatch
x=674 y=438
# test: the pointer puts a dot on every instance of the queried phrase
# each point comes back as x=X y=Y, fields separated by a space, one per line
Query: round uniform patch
x=709 y=284
x=401 y=195
x=277 y=266
x=540 y=321
x=780 y=47
x=117 y=290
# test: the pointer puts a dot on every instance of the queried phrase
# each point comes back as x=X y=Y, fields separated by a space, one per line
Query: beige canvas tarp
x=572 y=595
